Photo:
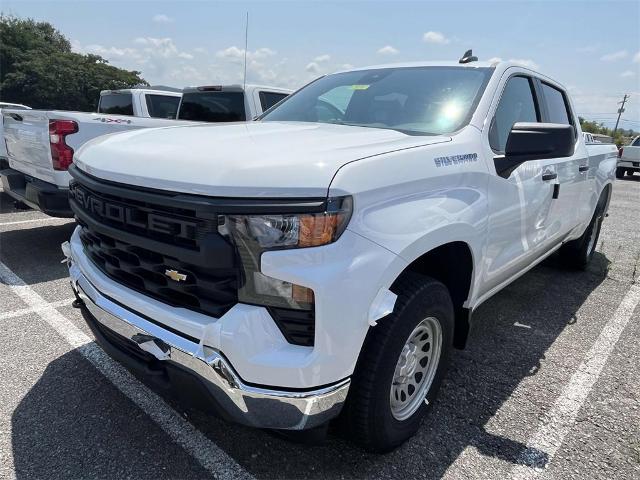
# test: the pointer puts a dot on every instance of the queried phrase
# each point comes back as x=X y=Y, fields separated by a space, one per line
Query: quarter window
x=116 y=104
x=517 y=104
x=636 y=143
x=162 y=106
x=269 y=99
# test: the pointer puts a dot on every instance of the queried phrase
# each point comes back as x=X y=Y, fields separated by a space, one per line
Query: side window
x=162 y=106
x=557 y=108
x=636 y=143
x=517 y=104
x=116 y=104
x=269 y=99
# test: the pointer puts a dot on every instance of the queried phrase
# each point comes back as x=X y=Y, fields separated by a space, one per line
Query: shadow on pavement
x=34 y=253
x=59 y=419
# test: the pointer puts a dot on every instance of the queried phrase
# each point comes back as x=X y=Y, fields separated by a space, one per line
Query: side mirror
x=535 y=141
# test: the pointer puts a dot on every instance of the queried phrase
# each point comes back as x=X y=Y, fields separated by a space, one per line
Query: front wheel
x=401 y=365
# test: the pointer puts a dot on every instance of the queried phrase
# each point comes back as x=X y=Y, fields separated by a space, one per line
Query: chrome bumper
x=245 y=404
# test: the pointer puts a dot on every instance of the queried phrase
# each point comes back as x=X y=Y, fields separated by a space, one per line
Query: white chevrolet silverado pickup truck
x=41 y=144
x=324 y=260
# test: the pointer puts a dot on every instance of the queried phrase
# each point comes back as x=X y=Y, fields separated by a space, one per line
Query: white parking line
x=209 y=455
x=545 y=442
x=62 y=221
x=26 y=311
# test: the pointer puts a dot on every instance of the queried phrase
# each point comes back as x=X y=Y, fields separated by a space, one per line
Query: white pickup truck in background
x=41 y=143
x=3 y=148
x=326 y=258
x=629 y=159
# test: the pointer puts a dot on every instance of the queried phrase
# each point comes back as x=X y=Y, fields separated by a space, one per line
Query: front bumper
x=37 y=194
x=143 y=345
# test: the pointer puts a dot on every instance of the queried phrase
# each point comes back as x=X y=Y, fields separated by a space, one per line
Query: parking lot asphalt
x=548 y=386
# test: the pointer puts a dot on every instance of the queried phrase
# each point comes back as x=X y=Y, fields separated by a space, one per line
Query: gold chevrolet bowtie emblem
x=175 y=275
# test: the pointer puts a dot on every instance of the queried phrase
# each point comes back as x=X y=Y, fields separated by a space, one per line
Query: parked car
x=629 y=159
x=326 y=258
x=41 y=143
x=3 y=148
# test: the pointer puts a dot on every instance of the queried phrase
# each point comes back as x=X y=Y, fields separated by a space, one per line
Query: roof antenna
x=246 y=45
x=468 y=57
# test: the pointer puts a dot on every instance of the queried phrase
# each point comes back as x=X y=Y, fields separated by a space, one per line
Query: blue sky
x=591 y=47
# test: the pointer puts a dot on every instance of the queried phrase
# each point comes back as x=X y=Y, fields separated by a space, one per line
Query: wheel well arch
x=452 y=264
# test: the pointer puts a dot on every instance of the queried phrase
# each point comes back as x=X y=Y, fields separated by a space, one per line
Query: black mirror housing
x=535 y=141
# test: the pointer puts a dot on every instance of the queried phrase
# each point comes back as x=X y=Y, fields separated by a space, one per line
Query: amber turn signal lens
x=302 y=294
x=318 y=230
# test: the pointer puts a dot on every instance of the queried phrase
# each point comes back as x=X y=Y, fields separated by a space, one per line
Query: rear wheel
x=620 y=172
x=630 y=172
x=578 y=253
x=401 y=365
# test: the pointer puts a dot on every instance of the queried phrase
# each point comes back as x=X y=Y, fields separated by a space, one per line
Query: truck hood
x=256 y=159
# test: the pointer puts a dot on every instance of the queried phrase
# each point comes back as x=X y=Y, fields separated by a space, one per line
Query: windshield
x=414 y=100
x=211 y=106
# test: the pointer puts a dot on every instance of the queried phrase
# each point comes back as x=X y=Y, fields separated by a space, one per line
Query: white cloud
x=234 y=53
x=312 y=67
x=636 y=58
x=628 y=74
x=346 y=66
x=162 y=18
x=388 y=50
x=435 y=37
x=201 y=50
x=612 y=57
x=185 y=55
x=494 y=60
x=322 y=58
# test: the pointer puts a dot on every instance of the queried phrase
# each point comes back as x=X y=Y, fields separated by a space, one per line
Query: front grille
x=138 y=237
x=144 y=271
x=138 y=241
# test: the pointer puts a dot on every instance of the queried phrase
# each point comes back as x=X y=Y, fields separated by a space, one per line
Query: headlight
x=255 y=234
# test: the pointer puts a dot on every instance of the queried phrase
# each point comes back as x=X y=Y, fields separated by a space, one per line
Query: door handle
x=583 y=168
x=546 y=176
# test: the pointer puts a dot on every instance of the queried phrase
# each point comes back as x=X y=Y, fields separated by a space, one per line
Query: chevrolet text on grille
x=132 y=216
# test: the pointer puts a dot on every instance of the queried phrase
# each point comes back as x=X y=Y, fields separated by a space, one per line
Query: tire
x=630 y=172
x=578 y=253
x=620 y=172
x=373 y=418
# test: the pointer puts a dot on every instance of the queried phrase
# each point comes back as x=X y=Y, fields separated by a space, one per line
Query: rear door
x=574 y=176
x=26 y=133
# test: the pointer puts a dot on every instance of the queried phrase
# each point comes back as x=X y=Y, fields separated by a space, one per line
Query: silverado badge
x=175 y=275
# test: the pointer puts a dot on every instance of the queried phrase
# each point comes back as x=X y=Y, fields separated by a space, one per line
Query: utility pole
x=620 y=111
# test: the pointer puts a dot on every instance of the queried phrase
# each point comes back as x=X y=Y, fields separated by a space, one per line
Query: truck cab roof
x=236 y=87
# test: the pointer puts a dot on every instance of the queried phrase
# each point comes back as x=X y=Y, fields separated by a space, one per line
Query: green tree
x=38 y=68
